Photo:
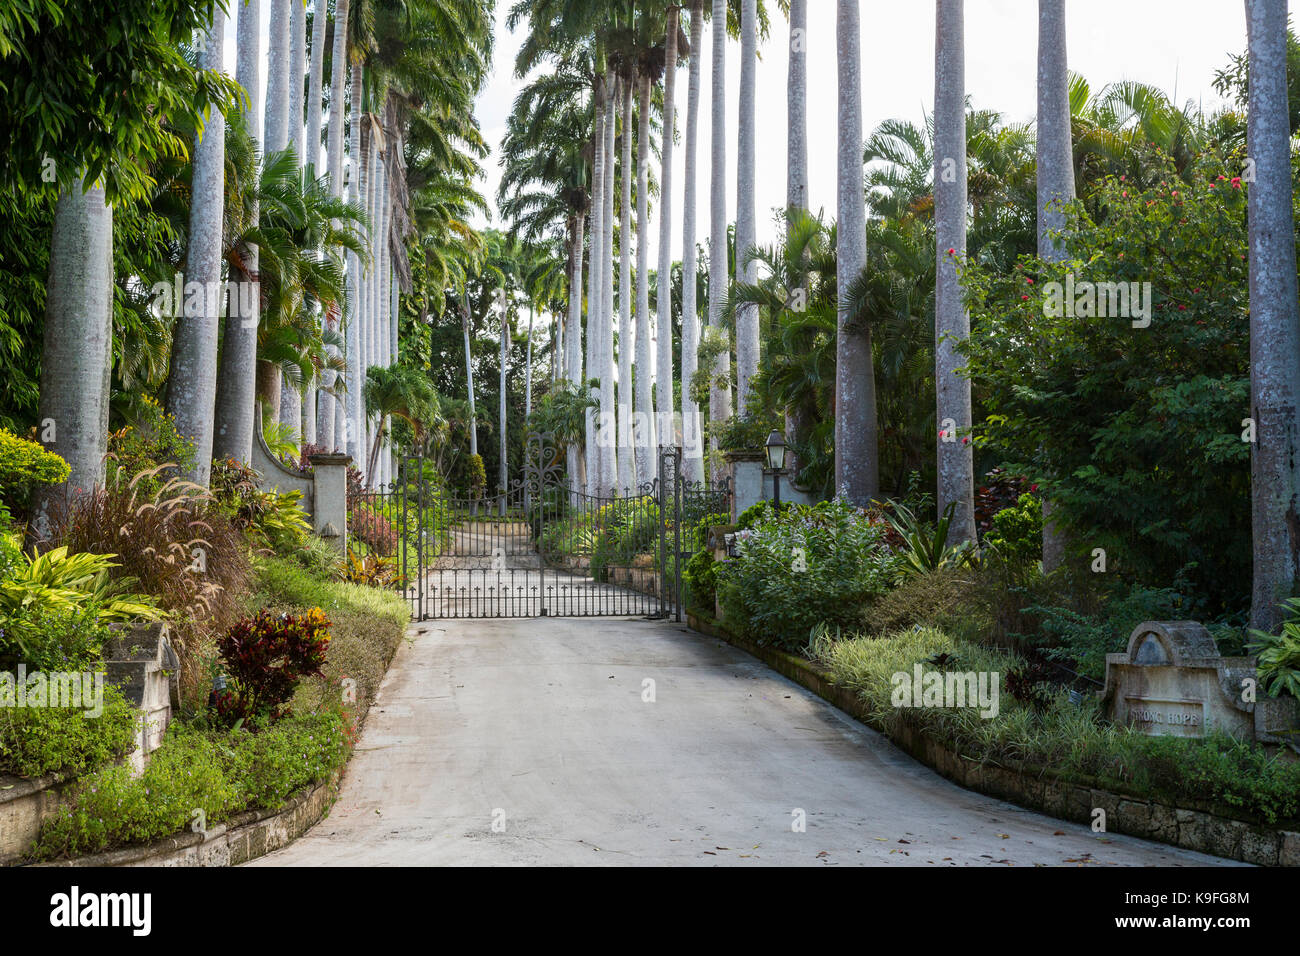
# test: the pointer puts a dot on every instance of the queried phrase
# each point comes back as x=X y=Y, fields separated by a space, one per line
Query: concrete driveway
x=526 y=742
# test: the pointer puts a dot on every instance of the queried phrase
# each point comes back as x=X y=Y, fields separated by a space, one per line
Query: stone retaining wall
x=1192 y=827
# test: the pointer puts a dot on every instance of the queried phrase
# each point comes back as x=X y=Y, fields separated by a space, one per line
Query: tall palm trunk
x=271 y=387
x=796 y=183
x=719 y=268
x=355 y=434
x=469 y=374
x=503 y=469
x=626 y=459
x=77 y=356
x=528 y=365
x=277 y=77
x=192 y=377
x=664 y=426
x=955 y=458
x=643 y=438
x=322 y=408
x=338 y=75
x=297 y=70
x=595 y=286
x=1055 y=181
x=1274 y=320
x=747 y=339
x=369 y=353
x=573 y=339
x=692 y=434
x=796 y=167
x=333 y=417
x=377 y=344
x=609 y=457
x=315 y=78
x=237 y=384
x=856 y=456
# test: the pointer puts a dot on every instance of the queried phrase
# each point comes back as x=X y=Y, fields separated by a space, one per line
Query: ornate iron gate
x=542 y=548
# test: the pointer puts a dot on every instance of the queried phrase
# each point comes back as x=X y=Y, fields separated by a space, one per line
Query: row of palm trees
x=326 y=252
x=596 y=56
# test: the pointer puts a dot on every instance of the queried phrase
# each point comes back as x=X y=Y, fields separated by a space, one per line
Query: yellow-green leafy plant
x=58 y=583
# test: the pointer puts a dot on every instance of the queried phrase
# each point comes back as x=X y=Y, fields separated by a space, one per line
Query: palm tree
x=643 y=439
x=856 y=456
x=319 y=413
x=692 y=440
x=1274 y=318
x=720 y=393
x=399 y=392
x=796 y=162
x=237 y=384
x=192 y=382
x=664 y=319
x=77 y=353
x=503 y=472
x=955 y=456
x=596 y=287
x=626 y=460
x=796 y=165
x=297 y=70
x=277 y=78
x=319 y=21
x=747 y=336
x=608 y=483
x=1055 y=179
x=332 y=416
x=469 y=375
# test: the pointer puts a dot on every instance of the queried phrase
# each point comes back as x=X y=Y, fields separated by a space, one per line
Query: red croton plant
x=265 y=658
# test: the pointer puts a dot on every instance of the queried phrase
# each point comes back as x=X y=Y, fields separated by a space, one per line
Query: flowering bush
x=1130 y=417
x=373 y=530
x=805 y=567
x=265 y=657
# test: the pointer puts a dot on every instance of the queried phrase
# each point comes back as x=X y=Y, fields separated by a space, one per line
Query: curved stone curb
x=1037 y=788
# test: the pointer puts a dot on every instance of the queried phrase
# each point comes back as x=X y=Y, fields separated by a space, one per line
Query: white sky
x=1174 y=44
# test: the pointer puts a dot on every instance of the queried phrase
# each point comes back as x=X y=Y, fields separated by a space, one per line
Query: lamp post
x=774 y=451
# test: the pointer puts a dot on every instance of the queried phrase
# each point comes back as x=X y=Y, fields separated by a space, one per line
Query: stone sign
x=1172 y=682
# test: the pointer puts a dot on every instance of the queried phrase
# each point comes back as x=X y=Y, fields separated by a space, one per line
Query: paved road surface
x=539 y=724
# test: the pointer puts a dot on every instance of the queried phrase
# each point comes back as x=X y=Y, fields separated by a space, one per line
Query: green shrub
x=35 y=741
x=25 y=464
x=806 y=566
x=151 y=446
x=1084 y=640
x=1017 y=533
x=700 y=575
x=318 y=557
x=1158 y=483
x=284 y=585
x=217 y=772
x=934 y=599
